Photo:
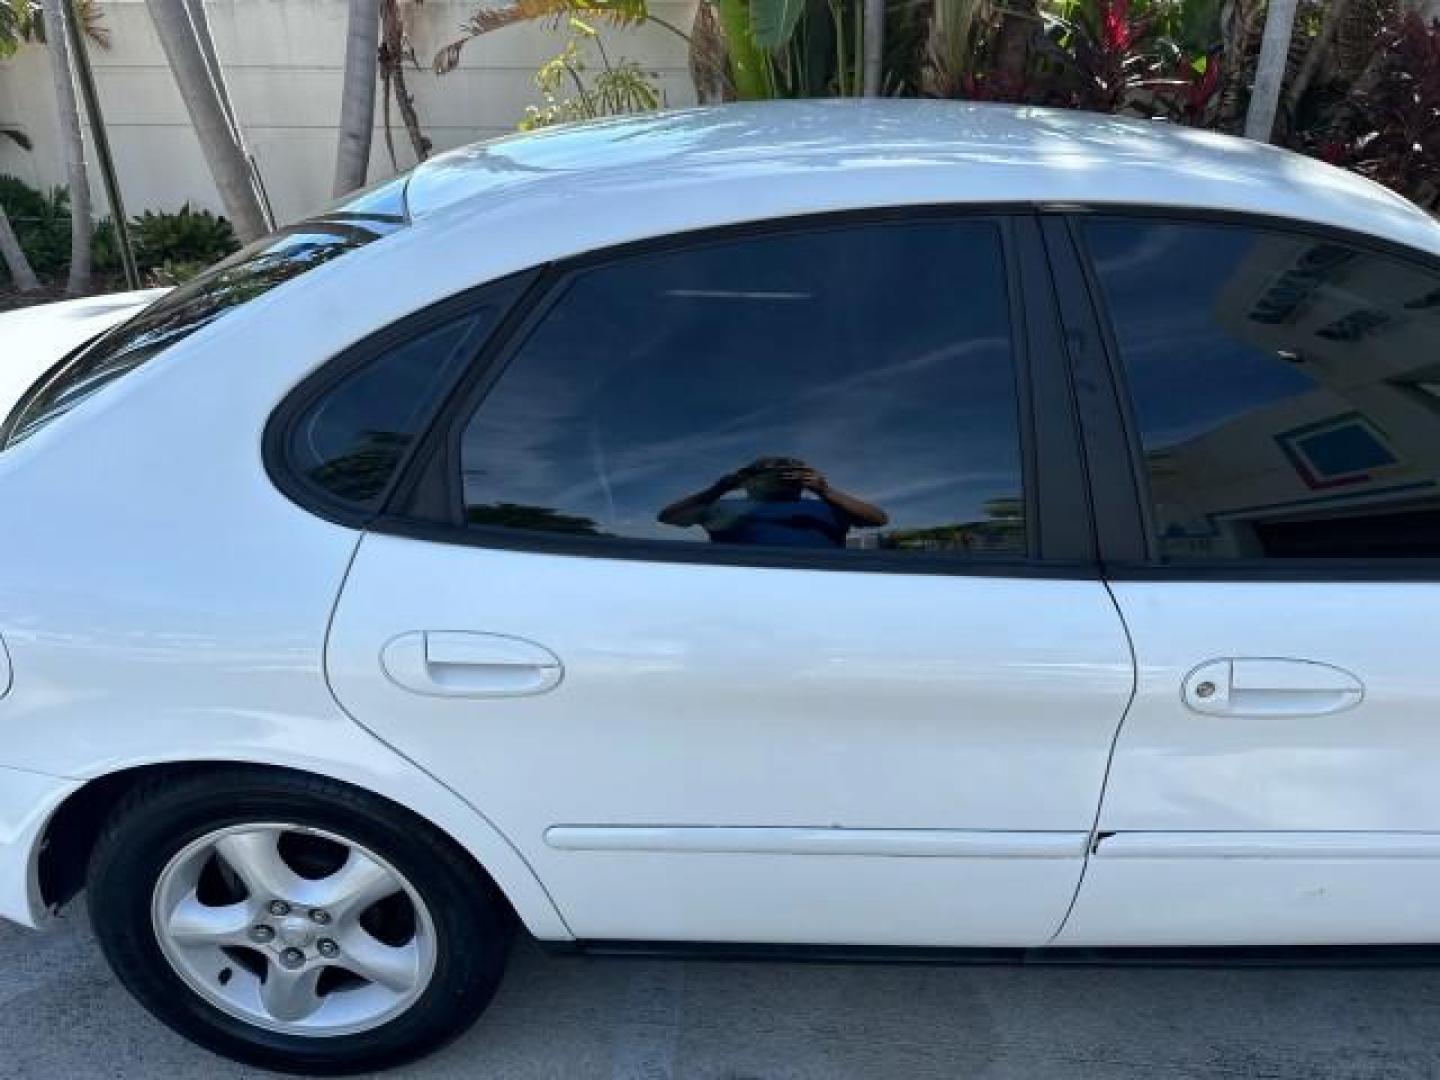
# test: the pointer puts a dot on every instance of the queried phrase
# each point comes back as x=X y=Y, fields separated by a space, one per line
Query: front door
x=1278 y=777
x=740 y=626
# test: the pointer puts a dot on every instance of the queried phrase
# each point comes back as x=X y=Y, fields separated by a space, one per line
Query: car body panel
x=140 y=633
x=776 y=159
x=27 y=801
x=36 y=337
x=879 y=708
x=165 y=602
x=1314 y=828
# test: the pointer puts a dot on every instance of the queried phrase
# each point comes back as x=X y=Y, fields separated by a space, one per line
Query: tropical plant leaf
x=957 y=30
x=487 y=20
x=772 y=22
x=18 y=19
x=749 y=64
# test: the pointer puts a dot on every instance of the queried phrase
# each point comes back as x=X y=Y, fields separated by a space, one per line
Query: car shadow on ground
x=63 y=1015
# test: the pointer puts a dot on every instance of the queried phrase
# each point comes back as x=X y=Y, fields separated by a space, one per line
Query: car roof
x=823 y=155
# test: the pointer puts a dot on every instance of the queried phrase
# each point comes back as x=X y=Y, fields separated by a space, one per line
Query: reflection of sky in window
x=1188 y=375
x=878 y=355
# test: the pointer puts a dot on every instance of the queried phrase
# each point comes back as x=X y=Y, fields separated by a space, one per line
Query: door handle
x=1270 y=686
x=448 y=663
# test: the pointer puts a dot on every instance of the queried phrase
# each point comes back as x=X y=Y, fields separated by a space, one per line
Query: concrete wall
x=283 y=61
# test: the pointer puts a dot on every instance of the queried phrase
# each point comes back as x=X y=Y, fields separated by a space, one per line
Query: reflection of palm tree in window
x=774 y=510
x=1003 y=530
x=508 y=515
x=363 y=473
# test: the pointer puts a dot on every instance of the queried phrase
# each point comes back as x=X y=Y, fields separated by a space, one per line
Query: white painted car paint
x=777 y=159
x=27 y=799
x=162 y=601
x=721 y=696
x=34 y=338
x=1346 y=800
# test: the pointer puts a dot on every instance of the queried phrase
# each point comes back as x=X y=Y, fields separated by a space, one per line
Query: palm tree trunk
x=57 y=44
x=1012 y=50
x=224 y=153
x=1334 y=15
x=357 y=96
x=201 y=22
x=874 y=47
x=1270 y=70
x=14 y=256
x=392 y=55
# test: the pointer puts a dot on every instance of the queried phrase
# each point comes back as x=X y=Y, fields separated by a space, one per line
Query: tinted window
x=250 y=272
x=1286 y=389
x=848 y=388
x=350 y=440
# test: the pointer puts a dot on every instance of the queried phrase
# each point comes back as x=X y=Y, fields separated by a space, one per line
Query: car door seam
x=1096 y=835
x=335 y=697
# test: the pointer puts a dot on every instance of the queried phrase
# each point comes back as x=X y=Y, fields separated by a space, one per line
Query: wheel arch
x=63 y=854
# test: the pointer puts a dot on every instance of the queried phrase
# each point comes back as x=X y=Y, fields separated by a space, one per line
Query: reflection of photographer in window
x=774 y=510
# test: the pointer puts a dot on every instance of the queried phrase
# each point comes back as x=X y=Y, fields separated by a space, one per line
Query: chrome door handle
x=448 y=663
x=1270 y=686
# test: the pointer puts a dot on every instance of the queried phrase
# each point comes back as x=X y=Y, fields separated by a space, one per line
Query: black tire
x=473 y=923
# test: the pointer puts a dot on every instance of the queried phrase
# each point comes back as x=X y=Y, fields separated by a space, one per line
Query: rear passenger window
x=1286 y=390
x=849 y=388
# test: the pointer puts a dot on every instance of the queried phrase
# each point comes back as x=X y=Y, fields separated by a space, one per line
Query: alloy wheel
x=294 y=929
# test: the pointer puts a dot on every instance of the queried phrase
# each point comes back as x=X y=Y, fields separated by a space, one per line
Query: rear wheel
x=295 y=923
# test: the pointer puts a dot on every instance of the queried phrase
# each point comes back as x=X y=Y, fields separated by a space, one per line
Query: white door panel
x=814 y=702
x=1370 y=766
x=1232 y=888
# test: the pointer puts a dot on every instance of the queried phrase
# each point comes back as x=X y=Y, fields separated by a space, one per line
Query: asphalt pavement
x=63 y=1017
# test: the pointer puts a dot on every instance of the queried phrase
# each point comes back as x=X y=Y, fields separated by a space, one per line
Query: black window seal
x=275 y=440
x=427 y=502
x=1119 y=562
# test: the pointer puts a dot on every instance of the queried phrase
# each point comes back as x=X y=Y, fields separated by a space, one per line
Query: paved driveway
x=62 y=1016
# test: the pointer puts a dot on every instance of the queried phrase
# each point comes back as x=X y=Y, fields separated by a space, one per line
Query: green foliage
x=485 y=20
x=169 y=247
x=17 y=17
x=184 y=237
x=42 y=224
x=749 y=64
x=619 y=88
x=773 y=22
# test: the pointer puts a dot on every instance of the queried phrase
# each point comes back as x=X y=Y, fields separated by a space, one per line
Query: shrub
x=186 y=237
x=169 y=247
x=1391 y=132
x=42 y=224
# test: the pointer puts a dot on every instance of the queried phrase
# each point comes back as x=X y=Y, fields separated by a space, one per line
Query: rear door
x=1277 y=448
x=736 y=589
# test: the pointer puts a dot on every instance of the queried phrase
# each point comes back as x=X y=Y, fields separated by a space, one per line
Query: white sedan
x=897 y=525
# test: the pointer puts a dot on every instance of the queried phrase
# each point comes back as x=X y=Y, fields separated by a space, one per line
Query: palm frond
x=487 y=20
x=957 y=28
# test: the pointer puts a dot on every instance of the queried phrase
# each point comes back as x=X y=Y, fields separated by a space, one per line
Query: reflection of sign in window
x=1292 y=289
x=1342 y=450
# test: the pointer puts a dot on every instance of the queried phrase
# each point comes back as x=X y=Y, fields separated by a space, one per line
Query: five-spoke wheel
x=295 y=922
x=294 y=929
